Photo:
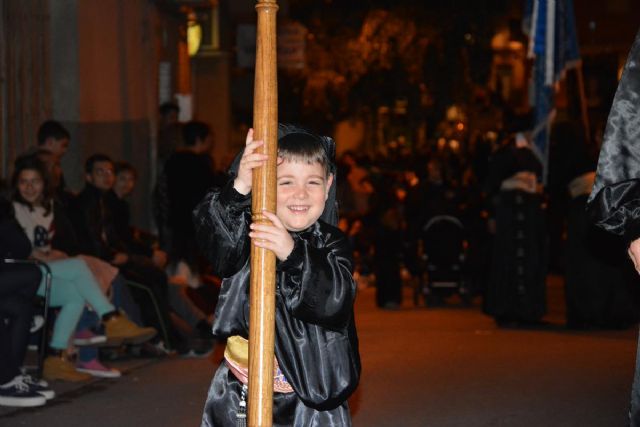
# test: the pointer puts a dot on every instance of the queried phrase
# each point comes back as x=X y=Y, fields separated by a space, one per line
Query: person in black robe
x=516 y=292
x=316 y=346
x=189 y=175
x=614 y=203
x=598 y=292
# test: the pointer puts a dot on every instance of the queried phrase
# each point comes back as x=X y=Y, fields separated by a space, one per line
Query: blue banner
x=553 y=43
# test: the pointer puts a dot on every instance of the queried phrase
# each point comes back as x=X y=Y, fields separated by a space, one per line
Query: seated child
x=316 y=346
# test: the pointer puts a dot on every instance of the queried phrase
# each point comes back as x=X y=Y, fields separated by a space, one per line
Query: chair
x=146 y=290
x=42 y=347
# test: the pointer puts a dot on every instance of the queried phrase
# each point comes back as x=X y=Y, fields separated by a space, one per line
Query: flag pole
x=584 y=111
x=262 y=287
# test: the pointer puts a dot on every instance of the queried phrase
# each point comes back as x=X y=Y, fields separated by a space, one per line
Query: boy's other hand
x=250 y=160
x=634 y=254
x=274 y=236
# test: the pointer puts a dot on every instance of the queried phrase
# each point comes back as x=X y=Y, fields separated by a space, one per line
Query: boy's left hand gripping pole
x=263 y=261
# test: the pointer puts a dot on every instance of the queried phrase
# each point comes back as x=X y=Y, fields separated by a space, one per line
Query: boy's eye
x=315 y=182
x=284 y=182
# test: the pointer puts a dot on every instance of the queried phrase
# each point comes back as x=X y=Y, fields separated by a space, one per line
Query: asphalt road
x=439 y=367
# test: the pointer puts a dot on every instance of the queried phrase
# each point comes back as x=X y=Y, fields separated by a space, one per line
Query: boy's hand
x=250 y=160
x=272 y=236
x=634 y=254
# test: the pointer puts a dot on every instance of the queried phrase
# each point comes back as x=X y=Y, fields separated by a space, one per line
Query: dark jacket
x=92 y=222
x=316 y=343
x=120 y=213
x=189 y=176
x=64 y=237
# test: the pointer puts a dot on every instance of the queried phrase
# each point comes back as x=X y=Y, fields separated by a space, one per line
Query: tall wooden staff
x=263 y=274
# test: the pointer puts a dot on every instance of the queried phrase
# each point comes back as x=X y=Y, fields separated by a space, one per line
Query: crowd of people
x=116 y=290
x=475 y=207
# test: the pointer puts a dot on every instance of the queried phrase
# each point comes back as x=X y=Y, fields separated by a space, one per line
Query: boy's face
x=102 y=175
x=57 y=147
x=125 y=181
x=302 y=190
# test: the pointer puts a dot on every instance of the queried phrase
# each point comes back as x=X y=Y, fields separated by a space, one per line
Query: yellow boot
x=60 y=368
x=118 y=327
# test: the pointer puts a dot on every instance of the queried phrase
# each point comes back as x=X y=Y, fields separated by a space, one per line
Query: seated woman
x=73 y=285
x=18 y=286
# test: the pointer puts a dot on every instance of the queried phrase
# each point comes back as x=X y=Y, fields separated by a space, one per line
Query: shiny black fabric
x=316 y=343
x=614 y=203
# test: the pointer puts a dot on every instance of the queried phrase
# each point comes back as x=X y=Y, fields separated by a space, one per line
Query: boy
x=316 y=346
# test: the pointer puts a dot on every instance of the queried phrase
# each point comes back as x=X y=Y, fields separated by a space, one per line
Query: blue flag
x=553 y=43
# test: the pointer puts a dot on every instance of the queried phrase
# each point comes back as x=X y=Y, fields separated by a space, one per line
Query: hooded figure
x=614 y=203
x=317 y=364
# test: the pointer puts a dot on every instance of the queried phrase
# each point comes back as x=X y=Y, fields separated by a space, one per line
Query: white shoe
x=36 y=323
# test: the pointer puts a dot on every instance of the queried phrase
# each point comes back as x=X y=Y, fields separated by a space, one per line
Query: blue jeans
x=72 y=287
x=88 y=320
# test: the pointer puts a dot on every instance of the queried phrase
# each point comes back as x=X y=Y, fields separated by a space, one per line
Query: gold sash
x=236 y=356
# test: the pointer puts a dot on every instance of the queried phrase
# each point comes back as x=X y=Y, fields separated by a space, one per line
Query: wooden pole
x=263 y=195
x=584 y=109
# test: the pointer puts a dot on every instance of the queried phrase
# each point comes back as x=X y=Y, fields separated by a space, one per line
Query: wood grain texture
x=263 y=274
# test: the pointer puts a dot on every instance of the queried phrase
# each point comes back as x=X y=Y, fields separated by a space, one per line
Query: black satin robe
x=516 y=290
x=316 y=343
x=614 y=203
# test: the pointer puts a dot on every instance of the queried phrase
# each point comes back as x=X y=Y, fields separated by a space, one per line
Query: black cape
x=316 y=343
x=614 y=203
x=516 y=288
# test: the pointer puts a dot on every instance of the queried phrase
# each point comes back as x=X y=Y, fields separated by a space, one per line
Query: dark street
x=421 y=367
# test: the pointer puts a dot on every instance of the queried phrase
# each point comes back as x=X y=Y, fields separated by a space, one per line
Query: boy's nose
x=300 y=193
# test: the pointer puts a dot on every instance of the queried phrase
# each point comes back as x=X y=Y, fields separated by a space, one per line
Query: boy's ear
x=329 y=182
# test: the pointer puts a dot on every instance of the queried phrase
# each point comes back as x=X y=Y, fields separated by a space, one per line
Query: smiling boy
x=316 y=346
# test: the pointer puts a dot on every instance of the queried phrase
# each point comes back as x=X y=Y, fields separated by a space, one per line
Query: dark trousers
x=142 y=270
x=18 y=286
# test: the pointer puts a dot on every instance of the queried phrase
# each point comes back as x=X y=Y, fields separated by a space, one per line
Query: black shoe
x=39 y=386
x=197 y=348
x=203 y=330
x=17 y=393
x=156 y=350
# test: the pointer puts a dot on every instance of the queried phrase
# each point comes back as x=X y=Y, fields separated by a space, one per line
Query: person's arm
x=222 y=223
x=222 y=219
x=614 y=203
x=318 y=285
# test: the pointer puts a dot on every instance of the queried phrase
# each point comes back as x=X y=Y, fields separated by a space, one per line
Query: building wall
x=24 y=77
x=212 y=101
x=105 y=87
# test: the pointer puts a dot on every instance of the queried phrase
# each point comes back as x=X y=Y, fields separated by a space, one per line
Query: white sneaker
x=36 y=323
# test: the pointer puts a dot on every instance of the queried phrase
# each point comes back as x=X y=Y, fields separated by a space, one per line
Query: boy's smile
x=302 y=191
